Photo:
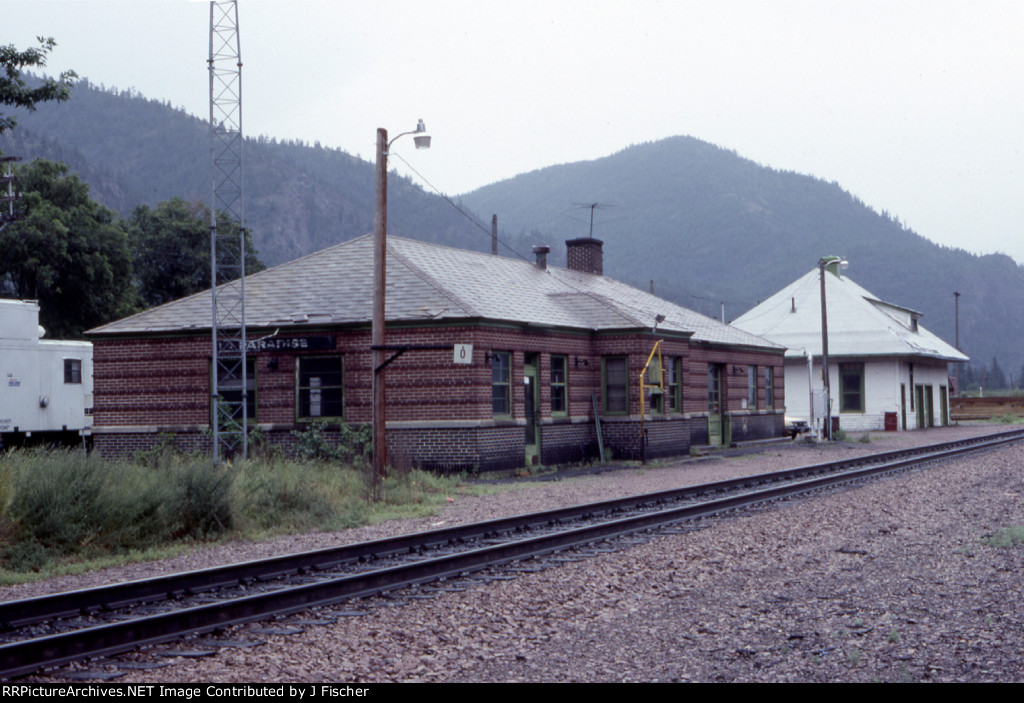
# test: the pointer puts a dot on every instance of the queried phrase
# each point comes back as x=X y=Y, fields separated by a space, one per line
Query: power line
x=457 y=207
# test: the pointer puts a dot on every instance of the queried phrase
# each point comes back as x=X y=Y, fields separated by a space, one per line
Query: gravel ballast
x=887 y=582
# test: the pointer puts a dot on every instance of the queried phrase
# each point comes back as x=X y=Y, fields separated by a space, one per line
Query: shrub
x=354 y=445
x=64 y=502
x=198 y=503
x=282 y=495
x=1007 y=537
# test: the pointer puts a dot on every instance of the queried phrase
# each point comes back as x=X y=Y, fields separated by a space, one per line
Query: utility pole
x=377 y=333
x=956 y=300
x=824 y=352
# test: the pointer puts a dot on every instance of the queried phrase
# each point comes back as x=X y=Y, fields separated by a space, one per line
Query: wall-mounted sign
x=281 y=344
x=463 y=354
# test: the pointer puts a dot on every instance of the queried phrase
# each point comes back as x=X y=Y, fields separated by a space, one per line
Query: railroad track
x=52 y=630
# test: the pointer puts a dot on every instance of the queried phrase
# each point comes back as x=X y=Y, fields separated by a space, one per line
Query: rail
x=457 y=551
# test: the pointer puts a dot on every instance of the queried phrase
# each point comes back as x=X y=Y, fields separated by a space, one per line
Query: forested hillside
x=299 y=198
x=705 y=225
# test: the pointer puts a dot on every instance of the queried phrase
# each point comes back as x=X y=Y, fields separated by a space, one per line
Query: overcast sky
x=915 y=107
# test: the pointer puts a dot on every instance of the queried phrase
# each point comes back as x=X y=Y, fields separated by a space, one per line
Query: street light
x=380 y=227
x=840 y=263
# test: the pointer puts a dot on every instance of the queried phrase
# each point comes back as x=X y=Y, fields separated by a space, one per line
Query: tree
x=996 y=377
x=171 y=249
x=13 y=89
x=66 y=251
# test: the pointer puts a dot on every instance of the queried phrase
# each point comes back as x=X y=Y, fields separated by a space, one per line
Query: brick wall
x=443 y=411
x=756 y=426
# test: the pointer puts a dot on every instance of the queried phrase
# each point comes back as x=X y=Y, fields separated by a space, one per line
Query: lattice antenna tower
x=230 y=381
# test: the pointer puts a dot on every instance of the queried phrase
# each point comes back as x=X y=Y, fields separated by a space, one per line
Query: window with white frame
x=72 y=371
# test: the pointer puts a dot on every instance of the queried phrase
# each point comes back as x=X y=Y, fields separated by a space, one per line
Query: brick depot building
x=549 y=345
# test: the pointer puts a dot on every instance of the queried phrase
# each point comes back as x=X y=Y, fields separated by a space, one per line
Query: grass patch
x=65 y=512
x=1008 y=419
x=1006 y=537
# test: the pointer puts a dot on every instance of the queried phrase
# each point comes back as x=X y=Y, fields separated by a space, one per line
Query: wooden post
x=380 y=217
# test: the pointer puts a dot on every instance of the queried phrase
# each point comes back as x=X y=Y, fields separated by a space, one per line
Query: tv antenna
x=592 y=206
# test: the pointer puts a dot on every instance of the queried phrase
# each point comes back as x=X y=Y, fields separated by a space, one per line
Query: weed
x=840 y=436
x=865 y=438
x=162 y=453
x=65 y=503
x=62 y=510
x=1009 y=419
x=989 y=621
x=853 y=657
x=905 y=675
x=281 y=495
x=353 y=445
x=198 y=504
x=894 y=636
x=1006 y=537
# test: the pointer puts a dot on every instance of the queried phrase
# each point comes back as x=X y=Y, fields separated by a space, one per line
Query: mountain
x=705 y=225
x=709 y=227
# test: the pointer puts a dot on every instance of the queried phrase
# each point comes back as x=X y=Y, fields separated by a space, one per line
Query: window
x=320 y=387
x=72 y=371
x=912 y=394
x=654 y=385
x=714 y=389
x=501 y=383
x=769 y=387
x=851 y=388
x=673 y=396
x=559 y=393
x=616 y=384
x=231 y=385
x=752 y=387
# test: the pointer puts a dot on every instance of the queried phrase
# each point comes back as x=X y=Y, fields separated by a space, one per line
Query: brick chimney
x=541 y=252
x=585 y=254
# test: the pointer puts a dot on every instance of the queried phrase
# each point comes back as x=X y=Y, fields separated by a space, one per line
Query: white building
x=885 y=370
x=45 y=385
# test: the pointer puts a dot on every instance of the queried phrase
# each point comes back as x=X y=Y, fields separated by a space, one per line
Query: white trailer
x=45 y=385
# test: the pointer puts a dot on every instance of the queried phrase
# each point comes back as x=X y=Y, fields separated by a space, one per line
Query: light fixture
x=422 y=139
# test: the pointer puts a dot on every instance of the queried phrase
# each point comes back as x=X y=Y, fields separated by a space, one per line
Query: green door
x=715 y=425
x=919 y=392
x=903 y=405
x=929 y=406
x=531 y=403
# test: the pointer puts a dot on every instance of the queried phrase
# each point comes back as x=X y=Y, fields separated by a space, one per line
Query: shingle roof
x=859 y=324
x=432 y=282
